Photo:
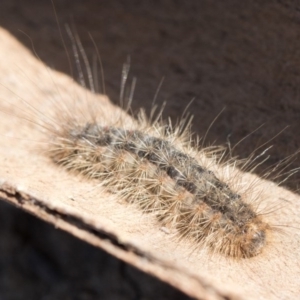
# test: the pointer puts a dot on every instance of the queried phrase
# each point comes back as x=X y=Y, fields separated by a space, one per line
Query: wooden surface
x=30 y=181
x=242 y=56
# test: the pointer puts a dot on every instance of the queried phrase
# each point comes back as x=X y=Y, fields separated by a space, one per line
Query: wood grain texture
x=31 y=182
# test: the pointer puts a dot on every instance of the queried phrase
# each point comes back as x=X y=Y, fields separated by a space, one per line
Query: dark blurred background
x=242 y=55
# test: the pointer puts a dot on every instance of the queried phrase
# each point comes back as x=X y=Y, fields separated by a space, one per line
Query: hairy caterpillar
x=148 y=170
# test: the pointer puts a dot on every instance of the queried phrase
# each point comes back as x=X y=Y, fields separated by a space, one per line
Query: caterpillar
x=148 y=170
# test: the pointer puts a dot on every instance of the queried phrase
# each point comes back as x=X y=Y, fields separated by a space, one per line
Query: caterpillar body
x=157 y=169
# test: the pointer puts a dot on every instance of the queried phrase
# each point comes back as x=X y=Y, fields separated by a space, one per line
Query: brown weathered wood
x=31 y=182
